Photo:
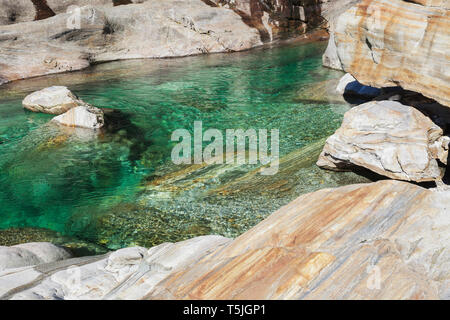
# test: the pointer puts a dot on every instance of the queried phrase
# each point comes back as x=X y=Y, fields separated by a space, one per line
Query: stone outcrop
x=385 y=240
x=331 y=10
x=87 y=117
x=385 y=43
x=388 y=138
x=52 y=100
x=15 y=11
x=74 y=40
x=30 y=254
x=277 y=19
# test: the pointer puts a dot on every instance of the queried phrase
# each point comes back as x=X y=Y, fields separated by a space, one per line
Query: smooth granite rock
x=30 y=254
x=153 y=29
x=384 y=240
x=388 y=138
x=87 y=117
x=52 y=100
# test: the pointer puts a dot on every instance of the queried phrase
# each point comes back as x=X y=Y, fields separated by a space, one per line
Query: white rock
x=388 y=138
x=52 y=100
x=30 y=254
x=343 y=82
x=45 y=251
x=82 y=117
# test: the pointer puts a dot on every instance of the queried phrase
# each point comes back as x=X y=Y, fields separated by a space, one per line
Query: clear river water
x=120 y=188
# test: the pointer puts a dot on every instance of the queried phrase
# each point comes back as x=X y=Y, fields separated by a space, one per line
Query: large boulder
x=30 y=254
x=384 y=240
x=52 y=100
x=87 y=117
x=385 y=43
x=388 y=138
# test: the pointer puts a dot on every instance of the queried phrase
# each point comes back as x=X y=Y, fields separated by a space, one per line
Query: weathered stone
x=52 y=100
x=385 y=43
x=331 y=10
x=388 y=138
x=87 y=117
x=72 y=41
x=30 y=254
x=106 y=277
x=45 y=251
x=276 y=19
x=384 y=240
x=15 y=11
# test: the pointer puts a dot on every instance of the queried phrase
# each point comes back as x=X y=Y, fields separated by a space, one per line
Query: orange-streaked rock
x=386 y=43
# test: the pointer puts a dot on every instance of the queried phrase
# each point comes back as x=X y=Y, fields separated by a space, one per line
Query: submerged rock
x=87 y=117
x=388 y=138
x=384 y=240
x=52 y=100
x=14 y=236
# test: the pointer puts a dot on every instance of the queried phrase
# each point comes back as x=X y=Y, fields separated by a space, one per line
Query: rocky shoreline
x=384 y=240
x=323 y=245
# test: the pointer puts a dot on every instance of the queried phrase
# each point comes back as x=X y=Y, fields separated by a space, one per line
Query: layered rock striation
x=385 y=43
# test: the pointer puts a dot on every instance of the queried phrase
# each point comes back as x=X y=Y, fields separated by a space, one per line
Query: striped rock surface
x=386 y=43
x=384 y=240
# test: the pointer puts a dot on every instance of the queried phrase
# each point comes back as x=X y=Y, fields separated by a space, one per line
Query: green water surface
x=70 y=182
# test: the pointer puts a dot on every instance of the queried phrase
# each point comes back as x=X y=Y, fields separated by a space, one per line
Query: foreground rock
x=52 y=100
x=30 y=254
x=388 y=138
x=87 y=117
x=385 y=240
x=385 y=43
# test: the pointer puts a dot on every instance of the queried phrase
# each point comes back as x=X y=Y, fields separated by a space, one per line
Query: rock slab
x=388 y=138
x=52 y=100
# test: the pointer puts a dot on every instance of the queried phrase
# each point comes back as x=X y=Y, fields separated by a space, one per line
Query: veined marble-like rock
x=385 y=43
x=52 y=100
x=331 y=10
x=384 y=240
x=388 y=138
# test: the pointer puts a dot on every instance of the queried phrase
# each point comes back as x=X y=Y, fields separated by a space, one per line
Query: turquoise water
x=70 y=182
